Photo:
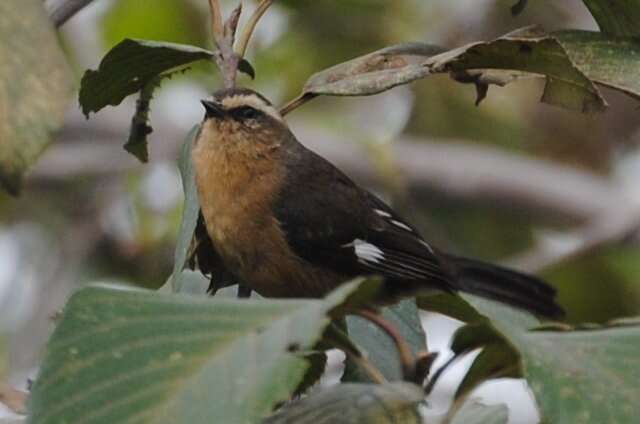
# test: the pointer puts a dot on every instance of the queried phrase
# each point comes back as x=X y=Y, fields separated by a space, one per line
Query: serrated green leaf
x=190 y=209
x=125 y=356
x=35 y=88
x=450 y=305
x=129 y=67
x=619 y=17
x=580 y=376
x=378 y=347
x=355 y=404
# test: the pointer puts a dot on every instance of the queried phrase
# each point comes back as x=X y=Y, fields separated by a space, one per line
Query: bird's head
x=240 y=115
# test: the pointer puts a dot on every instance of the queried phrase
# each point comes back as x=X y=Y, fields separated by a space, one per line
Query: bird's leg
x=407 y=359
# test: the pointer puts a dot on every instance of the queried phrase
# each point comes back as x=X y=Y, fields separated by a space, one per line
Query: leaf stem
x=407 y=359
x=296 y=103
x=374 y=374
x=335 y=337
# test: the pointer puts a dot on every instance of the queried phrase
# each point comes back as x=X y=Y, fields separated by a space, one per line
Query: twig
x=224 y=36
x=61 y=11
x=250 y=26
x=231 y=26
x=216 y=21
x=405 y=354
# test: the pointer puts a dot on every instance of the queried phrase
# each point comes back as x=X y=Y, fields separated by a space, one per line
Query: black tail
x=505 y=285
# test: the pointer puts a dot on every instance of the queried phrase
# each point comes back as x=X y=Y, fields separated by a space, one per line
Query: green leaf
x=190 y=209
x=578 y=376
x=451 y=305
x=354 y=404
x=612 y=62
x=317 y=364
x=129 y=67
x=619 y=17
x=125 y=356
x=378 y=347
x=35 y=88
x=497 y=359
x=473 y=412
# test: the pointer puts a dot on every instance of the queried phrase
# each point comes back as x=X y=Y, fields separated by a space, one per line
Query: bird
x=283 y=221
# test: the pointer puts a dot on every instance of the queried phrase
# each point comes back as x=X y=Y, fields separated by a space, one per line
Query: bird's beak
x=213 y=109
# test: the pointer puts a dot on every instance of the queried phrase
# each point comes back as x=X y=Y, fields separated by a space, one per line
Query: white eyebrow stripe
x=253 y=101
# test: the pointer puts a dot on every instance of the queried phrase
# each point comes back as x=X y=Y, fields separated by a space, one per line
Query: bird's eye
x=246 y=112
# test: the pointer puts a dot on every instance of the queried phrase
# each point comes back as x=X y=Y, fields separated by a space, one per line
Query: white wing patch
x=366 y=251
x=382 y=213
x=401 y=225
x=425 y=244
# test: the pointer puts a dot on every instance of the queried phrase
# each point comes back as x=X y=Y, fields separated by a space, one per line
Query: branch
x=456 y=169
x=608 y=229
x=471 y=172
x=224 y=36
x=62 y=10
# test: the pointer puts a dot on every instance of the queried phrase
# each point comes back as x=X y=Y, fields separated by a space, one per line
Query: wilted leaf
x=190 y=209
x=129 y=67
x=619 y=17
x=527 y=50
x=373 y=73
x=581 y=376
x=473 y=412
x=34 y=87
x=355 y=404
x=572 y=62
x=124 y=356
x=378 y=347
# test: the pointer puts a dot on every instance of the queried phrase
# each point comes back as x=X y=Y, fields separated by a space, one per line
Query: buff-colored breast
x=237 y=185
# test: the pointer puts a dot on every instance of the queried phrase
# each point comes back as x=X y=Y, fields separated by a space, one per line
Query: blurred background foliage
x=108 y=217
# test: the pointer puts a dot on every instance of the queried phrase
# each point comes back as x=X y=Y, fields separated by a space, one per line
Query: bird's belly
x=257 y=252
